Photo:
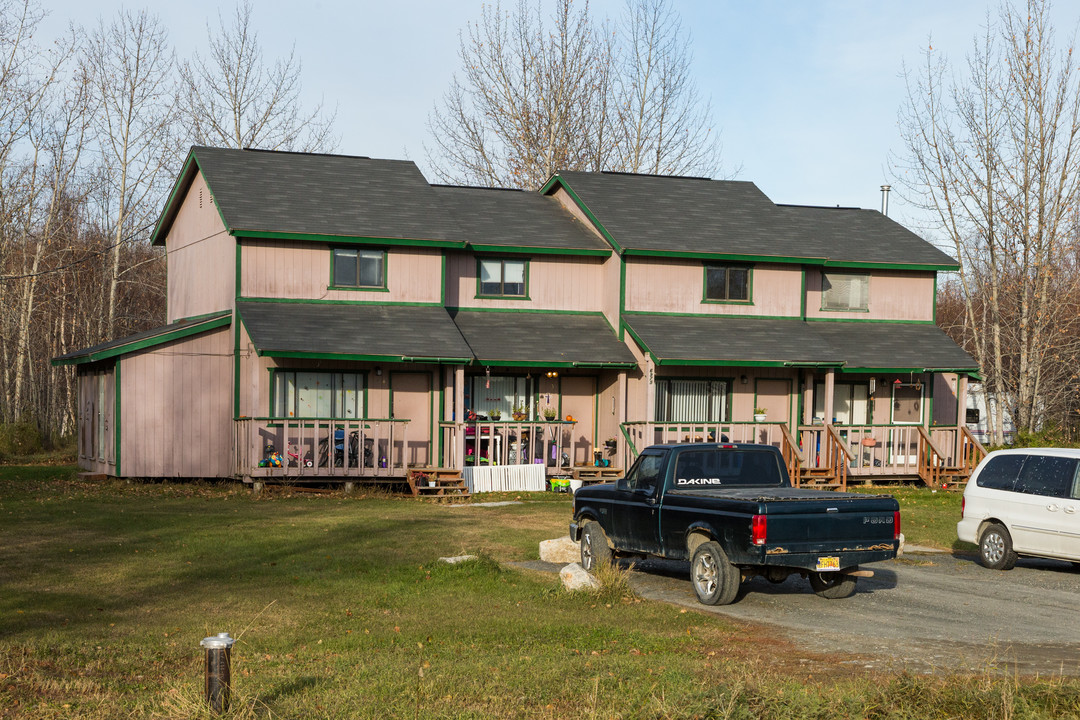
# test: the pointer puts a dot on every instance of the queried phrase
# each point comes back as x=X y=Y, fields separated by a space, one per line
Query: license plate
x=829 y=562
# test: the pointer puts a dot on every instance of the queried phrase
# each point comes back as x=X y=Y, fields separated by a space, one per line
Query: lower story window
x=503 y=393
x=318 y=394
x=851 y=403
x=689 y=400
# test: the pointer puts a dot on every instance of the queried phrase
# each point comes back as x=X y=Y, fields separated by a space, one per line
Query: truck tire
x=715 y=579
x=594 y=548
x=995 y=548
x=833 y=585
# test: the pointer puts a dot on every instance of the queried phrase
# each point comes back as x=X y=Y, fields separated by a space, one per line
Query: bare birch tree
x=995 y=157
x=132 y=70
x=232 y=98
x=536 y=96
x=663 y=126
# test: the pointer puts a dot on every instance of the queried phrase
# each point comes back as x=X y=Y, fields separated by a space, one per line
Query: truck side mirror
x=621 y=485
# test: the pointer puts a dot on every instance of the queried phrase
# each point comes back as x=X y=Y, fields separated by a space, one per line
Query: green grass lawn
x=927 y=517
x=342 y=610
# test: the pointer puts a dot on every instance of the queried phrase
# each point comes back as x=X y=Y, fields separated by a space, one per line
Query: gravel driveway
x=923 y=612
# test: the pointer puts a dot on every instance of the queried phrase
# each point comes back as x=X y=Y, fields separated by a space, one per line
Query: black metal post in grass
x=218 y=659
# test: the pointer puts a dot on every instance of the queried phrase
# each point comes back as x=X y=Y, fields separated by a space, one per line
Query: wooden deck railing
x=932 y=461
x=510 y=442
x=316 y=448
x=970 y=452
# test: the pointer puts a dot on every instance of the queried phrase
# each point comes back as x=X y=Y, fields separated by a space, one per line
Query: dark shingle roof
x=323 y=195
x=889 y=345
x=716 y=340
x=391 y=331
x=513 y=218
x=541 y=338
x=678 y=214
x=145 y=339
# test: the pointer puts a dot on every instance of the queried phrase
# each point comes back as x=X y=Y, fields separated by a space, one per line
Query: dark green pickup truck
x=731 y=511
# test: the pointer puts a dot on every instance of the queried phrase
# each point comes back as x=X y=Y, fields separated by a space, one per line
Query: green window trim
x=359 y=252
x=728 y=390
x=728 y=269
x=503 y=261
x=278 y=373
x=824 y=276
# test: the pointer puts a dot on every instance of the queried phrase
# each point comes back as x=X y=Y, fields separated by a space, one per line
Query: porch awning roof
x=548 y=339
x=354 y=332
x=792 y=342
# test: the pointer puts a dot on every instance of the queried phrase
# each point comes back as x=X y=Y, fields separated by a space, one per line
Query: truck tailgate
x=838 y=522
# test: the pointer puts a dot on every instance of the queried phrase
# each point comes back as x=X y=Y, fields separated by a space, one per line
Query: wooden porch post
x=808 y=397
x=459 y=416
x=830 y=381
x=961 y=415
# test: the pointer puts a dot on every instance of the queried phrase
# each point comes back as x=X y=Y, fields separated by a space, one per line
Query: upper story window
x=845 y=291
x=356 y=268
x=727 y=283
x=503 y=278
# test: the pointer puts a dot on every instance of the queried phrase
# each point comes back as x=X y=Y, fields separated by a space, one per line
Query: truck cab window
x=645 y=474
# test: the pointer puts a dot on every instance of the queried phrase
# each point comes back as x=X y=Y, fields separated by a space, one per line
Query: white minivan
x=1024 y=502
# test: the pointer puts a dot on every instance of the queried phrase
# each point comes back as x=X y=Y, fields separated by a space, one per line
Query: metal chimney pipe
x=885 y=199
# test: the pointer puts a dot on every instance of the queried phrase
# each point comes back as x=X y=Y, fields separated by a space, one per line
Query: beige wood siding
x=177 y=409
x=201 y=257
x=300 y=270
x=554 y=283
x=662 y=285
x=893 y=296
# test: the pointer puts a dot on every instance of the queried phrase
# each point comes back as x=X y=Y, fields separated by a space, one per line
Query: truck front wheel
x=833 y=585
x=594 y=548
x=716 y=580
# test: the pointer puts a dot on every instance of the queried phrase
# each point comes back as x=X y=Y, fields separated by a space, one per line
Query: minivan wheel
x=995 y=548
x=594 y=548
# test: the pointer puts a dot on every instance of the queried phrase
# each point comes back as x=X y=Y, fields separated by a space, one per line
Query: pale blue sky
x=805 y=93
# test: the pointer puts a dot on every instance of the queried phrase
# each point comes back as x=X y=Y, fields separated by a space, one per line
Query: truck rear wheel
x=833 y=585
x=716 y=580
x=594 y=548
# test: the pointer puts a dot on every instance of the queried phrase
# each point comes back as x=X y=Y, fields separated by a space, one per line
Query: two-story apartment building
x=346 y=315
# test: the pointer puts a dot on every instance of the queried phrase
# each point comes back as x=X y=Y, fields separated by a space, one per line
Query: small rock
x=559 y=550
x=574 y=577
x=457 y=559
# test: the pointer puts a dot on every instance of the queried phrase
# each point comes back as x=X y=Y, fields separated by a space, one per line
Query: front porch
x=828 y=455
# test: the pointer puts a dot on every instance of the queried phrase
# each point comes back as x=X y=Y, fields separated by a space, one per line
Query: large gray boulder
x=574 y=577
x=560 y=550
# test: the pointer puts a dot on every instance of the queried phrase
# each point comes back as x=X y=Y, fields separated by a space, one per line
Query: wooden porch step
x=590 y=474
x=439 y=484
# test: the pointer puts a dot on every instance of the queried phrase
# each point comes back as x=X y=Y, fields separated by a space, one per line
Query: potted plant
x=495 y=414
x=611 y=443
x=518 y=412
x=759 y=414
x=550 y=413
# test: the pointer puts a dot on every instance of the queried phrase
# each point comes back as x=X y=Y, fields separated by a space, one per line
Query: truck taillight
x=757 y=530
x=896 y=525
x=963 y=504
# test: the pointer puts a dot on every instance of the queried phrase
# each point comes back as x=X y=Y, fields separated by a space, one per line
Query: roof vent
x=885 y=199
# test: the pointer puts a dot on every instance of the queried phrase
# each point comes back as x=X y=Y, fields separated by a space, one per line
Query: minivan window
x=1047 y=475
x=1000 y=472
